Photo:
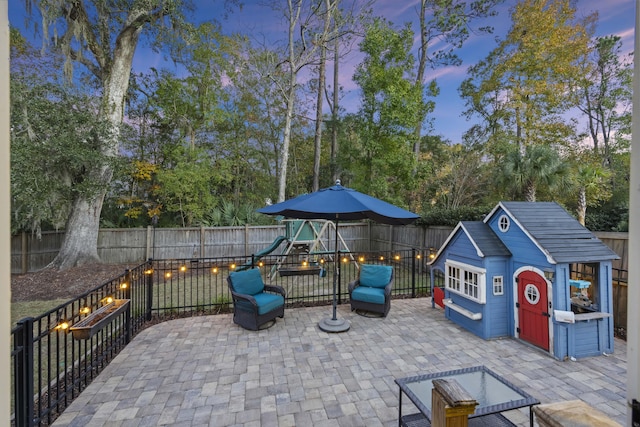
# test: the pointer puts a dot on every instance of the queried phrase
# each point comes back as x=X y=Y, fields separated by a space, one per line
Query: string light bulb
x=62 y=326
x=183 y=268
x=214 y=270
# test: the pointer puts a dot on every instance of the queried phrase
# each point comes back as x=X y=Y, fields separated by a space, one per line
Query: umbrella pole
x=334 y=324
x=336 y=274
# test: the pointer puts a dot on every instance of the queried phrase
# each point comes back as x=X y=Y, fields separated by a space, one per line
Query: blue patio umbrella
x=337 y=204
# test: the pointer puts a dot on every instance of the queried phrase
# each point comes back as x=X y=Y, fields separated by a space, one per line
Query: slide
x=263 y=252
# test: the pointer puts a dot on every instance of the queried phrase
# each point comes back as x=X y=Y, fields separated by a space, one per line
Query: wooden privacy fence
x=619 y=243
x=135 y=245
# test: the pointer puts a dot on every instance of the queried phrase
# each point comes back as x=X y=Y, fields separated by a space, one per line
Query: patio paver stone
x=207 y=371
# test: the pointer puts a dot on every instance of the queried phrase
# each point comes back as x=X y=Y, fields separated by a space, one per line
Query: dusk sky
x=616 y=17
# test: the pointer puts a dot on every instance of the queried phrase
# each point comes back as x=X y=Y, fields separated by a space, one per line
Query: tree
x=382 y=160
x=299 y=53
x=102 y=38
x=524 y=171
x=447 y=22
x=185 y=188
x=457 y=178
x=591 y=181
x=605 y=95
x=329 y=7
x=53 y=136
x=523 y=88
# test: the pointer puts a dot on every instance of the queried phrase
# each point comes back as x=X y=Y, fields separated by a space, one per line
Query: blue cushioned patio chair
x=254 y=303
x=372 y=290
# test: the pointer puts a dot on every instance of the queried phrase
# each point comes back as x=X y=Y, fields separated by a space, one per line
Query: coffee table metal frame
x=404 y=385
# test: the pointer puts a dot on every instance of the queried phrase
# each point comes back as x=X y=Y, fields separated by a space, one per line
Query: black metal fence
x=56 y=355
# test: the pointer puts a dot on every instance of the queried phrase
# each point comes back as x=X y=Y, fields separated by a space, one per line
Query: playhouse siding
x=498 y=314
x=461 y=249
x=524 y=251
x=495 y=312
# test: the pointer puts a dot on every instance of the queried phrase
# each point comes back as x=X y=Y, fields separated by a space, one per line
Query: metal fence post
x=23 y=373
x=413 y=272
x=126 y=291
x=149 y=272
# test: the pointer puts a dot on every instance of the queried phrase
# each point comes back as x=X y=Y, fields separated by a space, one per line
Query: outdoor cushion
x=248 y=282
x=377 y=276
x=368 y=294
x=267 y=302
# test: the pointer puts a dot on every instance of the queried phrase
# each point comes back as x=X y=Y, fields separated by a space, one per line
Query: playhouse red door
x=533 y=311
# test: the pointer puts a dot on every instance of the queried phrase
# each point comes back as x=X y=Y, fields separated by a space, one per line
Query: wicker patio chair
x=254 y=303
x=372 y=290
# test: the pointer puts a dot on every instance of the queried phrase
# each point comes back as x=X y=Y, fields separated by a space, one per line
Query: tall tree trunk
x=286 y=140
x=334 y=111
x=422 y=65
x=530 y=192
x=317 y=139
x=290 y=96
x=581 y=210
x=317 y=142
x=80 y=244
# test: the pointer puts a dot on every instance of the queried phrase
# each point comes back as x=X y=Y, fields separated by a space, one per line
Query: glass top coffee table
x=493 y=393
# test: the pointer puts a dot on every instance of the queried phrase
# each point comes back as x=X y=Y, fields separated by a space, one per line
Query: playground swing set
x=308 y=241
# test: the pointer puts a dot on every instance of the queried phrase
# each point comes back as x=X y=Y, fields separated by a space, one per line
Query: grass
x=20 y=310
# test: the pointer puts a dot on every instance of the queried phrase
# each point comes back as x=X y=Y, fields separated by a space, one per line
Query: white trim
x=549 y=301
x=446 y=242
x=459 y=226
x=550 y=259
x=482 y=280
x=493 y=284
x=466 y=313
x=478 y=251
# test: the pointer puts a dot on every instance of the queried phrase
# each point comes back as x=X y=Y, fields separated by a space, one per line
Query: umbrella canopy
x=339 y=203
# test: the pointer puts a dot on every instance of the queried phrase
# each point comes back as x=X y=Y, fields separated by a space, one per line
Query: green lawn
x=20 y=310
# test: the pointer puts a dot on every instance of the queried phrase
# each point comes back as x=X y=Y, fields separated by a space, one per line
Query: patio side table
x=493 y=393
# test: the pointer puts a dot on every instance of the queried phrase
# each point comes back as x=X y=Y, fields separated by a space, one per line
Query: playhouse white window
x=504 y=223
x=453 y=278
x=498 y=285
x=466 y=280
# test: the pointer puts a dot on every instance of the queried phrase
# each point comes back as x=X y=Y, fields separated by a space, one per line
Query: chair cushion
x=368 y=294
x=267 y=302
x=248 y=282
x=377 y=276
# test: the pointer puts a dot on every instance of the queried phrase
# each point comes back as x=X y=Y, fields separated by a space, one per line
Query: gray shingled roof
x=558 y=233
x=485 y=239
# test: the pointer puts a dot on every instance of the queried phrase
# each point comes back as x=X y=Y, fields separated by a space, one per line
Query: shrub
x=451 y=216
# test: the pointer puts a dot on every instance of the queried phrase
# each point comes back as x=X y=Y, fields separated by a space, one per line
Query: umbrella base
x=329 y=324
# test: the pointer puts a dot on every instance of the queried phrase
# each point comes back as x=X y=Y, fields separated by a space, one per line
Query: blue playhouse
x=529 y=270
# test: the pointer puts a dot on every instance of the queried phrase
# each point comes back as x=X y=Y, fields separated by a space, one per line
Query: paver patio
x=207 y=371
